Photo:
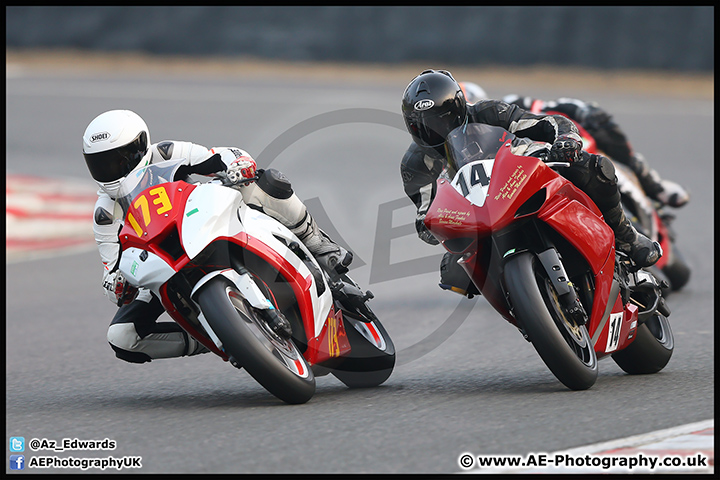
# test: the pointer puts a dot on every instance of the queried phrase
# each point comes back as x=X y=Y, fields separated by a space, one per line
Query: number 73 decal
x=159 y=199
x=472 y=181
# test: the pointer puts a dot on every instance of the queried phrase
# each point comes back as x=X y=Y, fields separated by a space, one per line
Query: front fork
x=247 y=287
x=244 y=283
x=532 y=239
x=555 y=269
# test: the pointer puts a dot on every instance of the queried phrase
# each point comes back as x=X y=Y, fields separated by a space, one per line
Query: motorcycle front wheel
x=564 y=346
x=274 y=362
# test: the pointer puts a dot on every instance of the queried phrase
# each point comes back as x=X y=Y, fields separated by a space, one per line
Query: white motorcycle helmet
x=473 y=92
x=115 y=144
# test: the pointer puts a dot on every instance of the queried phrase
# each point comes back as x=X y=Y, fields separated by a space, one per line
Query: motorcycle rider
x=116 y=144
x=434 y=104
x=608 y=135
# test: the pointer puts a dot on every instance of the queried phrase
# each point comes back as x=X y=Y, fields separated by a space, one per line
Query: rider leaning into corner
x=608 y=135
x=117 y=144
x=425 y=159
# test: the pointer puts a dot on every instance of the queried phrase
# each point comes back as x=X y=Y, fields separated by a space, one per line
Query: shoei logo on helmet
x=99 y=136
x=424 y=105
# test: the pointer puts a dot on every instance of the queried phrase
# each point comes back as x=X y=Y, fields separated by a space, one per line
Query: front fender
x=244 y=283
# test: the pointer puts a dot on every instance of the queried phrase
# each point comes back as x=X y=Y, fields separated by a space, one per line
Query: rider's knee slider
x=131 y=357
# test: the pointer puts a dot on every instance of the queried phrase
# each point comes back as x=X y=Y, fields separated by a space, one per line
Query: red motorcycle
x=539 y=251
x=647 y=216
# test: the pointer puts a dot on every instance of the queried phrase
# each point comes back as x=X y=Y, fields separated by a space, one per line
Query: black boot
x=333 y=258
x=641 y=249
x=454 y=278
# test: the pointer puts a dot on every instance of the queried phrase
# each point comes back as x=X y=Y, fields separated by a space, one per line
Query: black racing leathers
x=420 y=167
x=608 y=135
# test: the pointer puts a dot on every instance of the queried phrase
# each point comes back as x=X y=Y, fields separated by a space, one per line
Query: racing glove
x=243 y=168
x=118 y=290
x=566 y=148
x=423 y=232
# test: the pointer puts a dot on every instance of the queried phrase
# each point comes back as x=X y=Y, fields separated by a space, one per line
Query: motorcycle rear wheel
x=274 y=362
x=565 y=347
x=677 y=270
x=651 y=350
x=366 y=365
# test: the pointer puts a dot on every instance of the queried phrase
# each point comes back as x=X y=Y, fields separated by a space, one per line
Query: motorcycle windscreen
x=154 y=174
x=472 y=142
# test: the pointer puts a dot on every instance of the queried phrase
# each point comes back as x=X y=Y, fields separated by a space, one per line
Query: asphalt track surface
x=465 y=382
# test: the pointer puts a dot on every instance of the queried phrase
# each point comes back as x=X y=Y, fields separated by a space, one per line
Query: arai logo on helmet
x=99 y=136
x=424 y=105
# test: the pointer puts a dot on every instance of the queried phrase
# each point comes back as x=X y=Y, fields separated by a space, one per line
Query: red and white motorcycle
x=236 y=279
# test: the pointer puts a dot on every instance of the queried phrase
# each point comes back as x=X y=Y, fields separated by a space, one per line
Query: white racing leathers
x=134 y=332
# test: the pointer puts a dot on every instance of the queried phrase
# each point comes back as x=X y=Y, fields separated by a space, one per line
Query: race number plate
x=473 y=181
x=614 y=326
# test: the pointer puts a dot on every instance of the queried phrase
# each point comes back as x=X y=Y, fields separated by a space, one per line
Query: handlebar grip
x=227 y=183
x=557 y=164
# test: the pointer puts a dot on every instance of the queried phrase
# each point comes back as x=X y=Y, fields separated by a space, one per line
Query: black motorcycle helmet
x=433 y=105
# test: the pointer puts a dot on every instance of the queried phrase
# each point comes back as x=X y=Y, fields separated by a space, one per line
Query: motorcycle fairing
x=454 y=216
x=472 y=181
x=152 y=220
x=663 y=237
x=146 y=268
x=581 y=223
x=331 y=342
x=555 y=201
x=210 y=213
x=617 y=326
x=271 y=240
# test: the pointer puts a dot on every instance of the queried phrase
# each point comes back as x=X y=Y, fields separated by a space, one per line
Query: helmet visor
x=114 y=164
x=430 y=128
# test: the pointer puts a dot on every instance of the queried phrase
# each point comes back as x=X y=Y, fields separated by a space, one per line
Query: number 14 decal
x=142 y=204
x=477 y=176
x=615 y=324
